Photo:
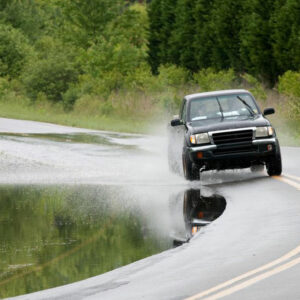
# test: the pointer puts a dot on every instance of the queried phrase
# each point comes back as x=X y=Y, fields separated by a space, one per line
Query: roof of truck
x=215 y=93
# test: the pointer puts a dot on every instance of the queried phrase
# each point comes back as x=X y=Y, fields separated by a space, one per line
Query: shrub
x=51 y=76
x=14 y=51
x=141 y=79
x=289 y=85
x=4 y=86
x=171 y=75
x=88 y=104
x=256 y=87
x=210 y=80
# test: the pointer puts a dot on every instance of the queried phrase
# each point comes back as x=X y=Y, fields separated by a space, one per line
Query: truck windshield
x=225 y=106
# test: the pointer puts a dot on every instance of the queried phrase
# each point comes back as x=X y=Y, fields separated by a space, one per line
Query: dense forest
x=260 y=37
x=137 y=58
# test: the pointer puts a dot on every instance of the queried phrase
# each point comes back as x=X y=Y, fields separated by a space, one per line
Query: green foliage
x=52 y=70
x=104 y=52
x=173 y=76
x=87 y=20
x=155 y=23
x=51 y=76
x=204 y=41
x=289 y=84
x=256 y=48
x=254 y=36
x=29 y=16
x=4 y=86
x=142 y=80
x=226 y=23
x=210 y=80
x=255 y=88
x=118 y=54
x=14 y=51
x=285 y=35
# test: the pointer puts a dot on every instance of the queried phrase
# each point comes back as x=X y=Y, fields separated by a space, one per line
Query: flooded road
x=77 y=203
x=55 y=235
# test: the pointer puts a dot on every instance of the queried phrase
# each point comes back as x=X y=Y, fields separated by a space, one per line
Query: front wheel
x=190 y=170
x=274 y=166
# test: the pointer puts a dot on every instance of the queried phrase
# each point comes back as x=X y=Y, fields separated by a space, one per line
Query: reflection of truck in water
x=198 y=211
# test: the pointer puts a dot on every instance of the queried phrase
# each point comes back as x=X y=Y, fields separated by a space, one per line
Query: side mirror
x=269 y=111
x=176 y=122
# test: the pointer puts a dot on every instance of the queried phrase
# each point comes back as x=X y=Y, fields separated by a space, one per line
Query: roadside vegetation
x=116 y=65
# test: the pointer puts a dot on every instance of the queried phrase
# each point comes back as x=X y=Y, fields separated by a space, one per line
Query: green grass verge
x=56 y=115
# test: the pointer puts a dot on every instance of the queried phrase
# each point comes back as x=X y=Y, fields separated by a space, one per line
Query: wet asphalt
x=261 y=222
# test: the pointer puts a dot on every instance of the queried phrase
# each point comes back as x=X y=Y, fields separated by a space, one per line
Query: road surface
x=251 y=252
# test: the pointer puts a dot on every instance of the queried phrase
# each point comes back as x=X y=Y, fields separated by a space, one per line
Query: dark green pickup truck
x=222 y=130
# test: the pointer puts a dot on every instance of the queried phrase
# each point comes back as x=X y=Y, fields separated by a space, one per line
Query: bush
x=171 y=75
x=142 y=80
x=51 y=76
x=210 y=80
x=256 y=87
x=289 y=85
x=4 y=86
x=93 y=105
x=14 y=51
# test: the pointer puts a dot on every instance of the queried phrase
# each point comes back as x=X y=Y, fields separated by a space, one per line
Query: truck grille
x=243 y=149
x=233 y=136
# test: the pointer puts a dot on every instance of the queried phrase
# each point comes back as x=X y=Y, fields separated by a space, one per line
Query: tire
x=274 y=166
x=190 y=170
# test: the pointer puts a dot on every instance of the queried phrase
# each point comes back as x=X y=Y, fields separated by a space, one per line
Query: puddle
x=55 y=235
x=52 y=236
x=79 y=138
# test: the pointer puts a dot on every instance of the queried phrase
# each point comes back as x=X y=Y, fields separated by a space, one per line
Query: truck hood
x=227 y=123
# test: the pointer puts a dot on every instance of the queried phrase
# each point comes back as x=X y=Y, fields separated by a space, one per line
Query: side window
x=183 y=111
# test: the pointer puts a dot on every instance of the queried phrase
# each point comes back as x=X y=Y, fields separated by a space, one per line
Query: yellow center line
x=265 y=267
x=292 y=177
x=288 y=181
x=254 y=280
x=246 y=275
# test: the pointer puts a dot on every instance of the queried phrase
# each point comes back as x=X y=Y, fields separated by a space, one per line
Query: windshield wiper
x=249 y=108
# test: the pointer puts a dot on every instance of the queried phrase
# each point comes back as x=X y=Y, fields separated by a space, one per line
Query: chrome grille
x=239 y=136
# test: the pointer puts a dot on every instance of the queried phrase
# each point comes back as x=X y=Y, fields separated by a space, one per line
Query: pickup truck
x=222 y=130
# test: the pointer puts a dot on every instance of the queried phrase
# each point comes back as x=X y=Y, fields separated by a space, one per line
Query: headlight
x=201 y=138
x=264 y=131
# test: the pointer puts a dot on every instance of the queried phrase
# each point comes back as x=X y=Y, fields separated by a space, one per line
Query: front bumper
x=246 y=153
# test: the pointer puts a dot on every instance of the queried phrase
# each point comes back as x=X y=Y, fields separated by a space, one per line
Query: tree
x=155 y=25
x=14 y=51
x=185 y=32
x=26 y=15
x=256 y=48
x=225 y=26
x=286 y=35
x=86 y=20
x=52 y=70
x=203 y=41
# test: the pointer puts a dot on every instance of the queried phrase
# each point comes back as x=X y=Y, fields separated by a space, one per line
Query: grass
x=54 y=114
